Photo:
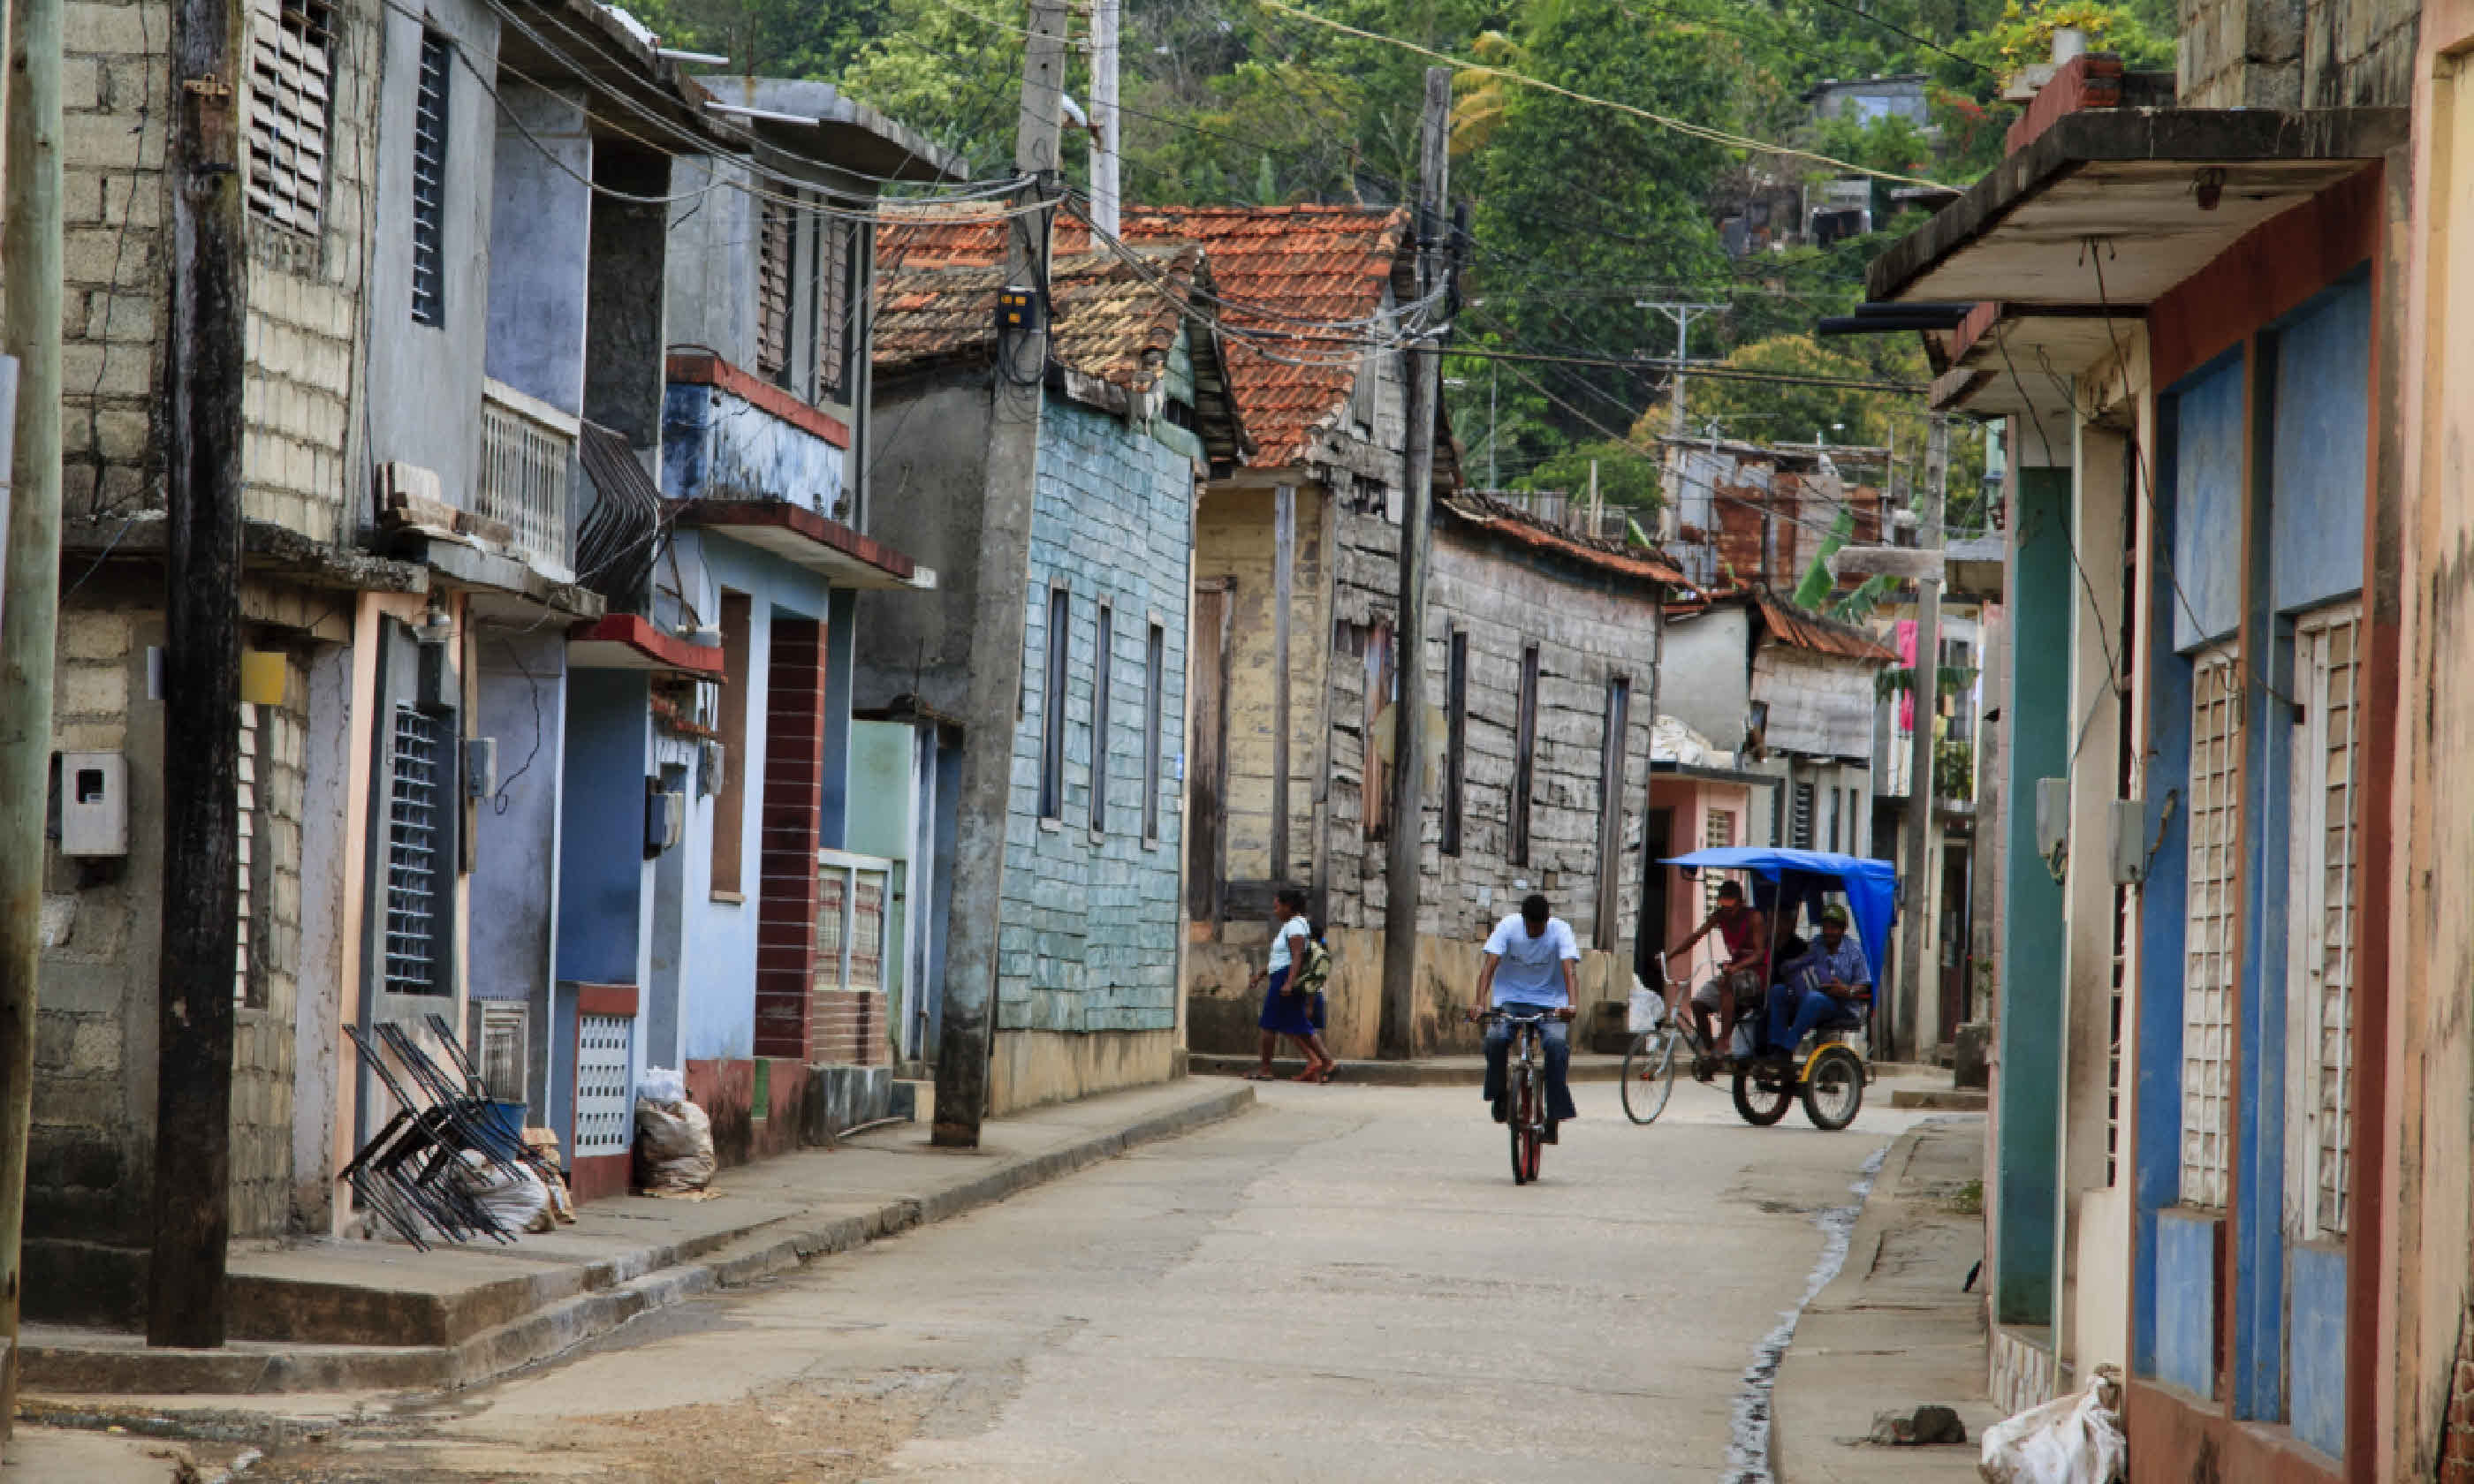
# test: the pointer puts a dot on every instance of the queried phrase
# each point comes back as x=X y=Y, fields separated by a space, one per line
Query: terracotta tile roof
x=1110 y=323
x=1512 y=524
x=1800 y=630
x=1322 y=263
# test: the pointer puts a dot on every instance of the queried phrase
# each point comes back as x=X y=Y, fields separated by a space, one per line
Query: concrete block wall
x=263 y=1043
x=1092 y=918
x=302 y=290
x=2295 y=54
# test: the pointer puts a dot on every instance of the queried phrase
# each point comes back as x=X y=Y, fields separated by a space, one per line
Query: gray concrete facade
x=541 y=226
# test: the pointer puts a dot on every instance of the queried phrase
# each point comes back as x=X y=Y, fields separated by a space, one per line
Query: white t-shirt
x=1297 y=926
x=1532 y=970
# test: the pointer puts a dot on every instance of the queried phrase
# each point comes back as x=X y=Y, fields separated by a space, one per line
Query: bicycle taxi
x=1829 y=1077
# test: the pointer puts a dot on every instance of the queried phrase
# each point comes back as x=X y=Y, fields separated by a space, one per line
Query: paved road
x=1342 y=1284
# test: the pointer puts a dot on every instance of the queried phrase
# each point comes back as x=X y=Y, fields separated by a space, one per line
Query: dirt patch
x=824 y=1432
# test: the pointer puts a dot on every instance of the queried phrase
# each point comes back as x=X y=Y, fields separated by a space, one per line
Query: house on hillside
x=1135 y=417
x=1741 y=514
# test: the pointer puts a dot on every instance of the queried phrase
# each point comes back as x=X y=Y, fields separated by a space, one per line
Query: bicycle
x=1525 y=1090
x=1649 y=1061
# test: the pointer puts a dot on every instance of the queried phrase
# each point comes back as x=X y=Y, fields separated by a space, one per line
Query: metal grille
x=1800 y=821
x=416 y=802
x=774 y=290
x=832 y=922
x=2208 y=947
x=2320 y=981
x=604 y=1114
x=867 y=931
x=501 y=1062
x=245 y=851
x=290 y=74
x=527 y=448
x=429 y=183
x=1718 y=833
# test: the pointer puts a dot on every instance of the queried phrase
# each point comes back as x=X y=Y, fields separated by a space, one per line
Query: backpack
x=1309 y=974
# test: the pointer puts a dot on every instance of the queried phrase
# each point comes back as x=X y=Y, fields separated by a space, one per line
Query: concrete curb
x=1587 y=1066
x=618 y=1290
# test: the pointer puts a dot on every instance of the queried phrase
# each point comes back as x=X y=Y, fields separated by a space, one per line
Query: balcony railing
x=528 y=459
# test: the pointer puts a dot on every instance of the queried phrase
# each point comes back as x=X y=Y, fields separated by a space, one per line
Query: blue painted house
x=1135 y=414
x=2189 y=1177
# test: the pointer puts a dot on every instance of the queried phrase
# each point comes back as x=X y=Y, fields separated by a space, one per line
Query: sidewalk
x=1894 y=1329
x=337 y=1316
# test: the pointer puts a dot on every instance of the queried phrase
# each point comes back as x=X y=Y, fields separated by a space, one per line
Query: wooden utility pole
x=989 y=706
x=1405 y=850
x=193 y=1221
x=1915 y=854
x=30 y=585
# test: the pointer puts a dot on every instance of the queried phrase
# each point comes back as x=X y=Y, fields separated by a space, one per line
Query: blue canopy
x=1803 y=877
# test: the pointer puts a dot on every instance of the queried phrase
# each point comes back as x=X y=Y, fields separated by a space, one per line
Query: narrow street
x=1342 y=1283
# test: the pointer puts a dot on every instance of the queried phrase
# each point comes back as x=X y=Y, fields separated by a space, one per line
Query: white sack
x=674 y=1146
x=662 y=1084
x=1645 y=1011
x=2069 y=1439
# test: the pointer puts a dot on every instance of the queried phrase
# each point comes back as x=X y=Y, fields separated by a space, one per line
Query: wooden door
x=1207 y=768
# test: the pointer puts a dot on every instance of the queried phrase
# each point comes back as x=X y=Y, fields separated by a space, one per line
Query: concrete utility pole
x=1405 y=850
x=1016 y=393
x=1683 y=315
x=30 y=585
x=186 y=1287
x=1915 y=854
x=1106 y=147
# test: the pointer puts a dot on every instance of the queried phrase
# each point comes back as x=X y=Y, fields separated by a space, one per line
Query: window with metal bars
x=2320 y=956
x=1154 y=717
x=249 y=988
x=291 y=73
x=418 y=886
x=775 y=240
x=1800 y=823
x=1718 y=833
x=429 y=182
x=2214 y=920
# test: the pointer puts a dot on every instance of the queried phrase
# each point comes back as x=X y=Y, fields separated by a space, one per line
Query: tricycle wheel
x=1833 y=1090
x=1764 y=1092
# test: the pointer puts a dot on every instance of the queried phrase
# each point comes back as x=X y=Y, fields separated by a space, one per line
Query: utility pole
x=1915 y=974
x=30 y=585
x=1670 y=519
x=1016 y=393
x=1106 y=147
x=185 y=1284
x=1406 y=847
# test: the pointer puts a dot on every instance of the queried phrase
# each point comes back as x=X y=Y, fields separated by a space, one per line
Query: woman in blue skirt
x=1285 y=1013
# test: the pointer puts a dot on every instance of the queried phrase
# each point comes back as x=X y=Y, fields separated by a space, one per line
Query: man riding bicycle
x=1529 y=969
x=1743 y=972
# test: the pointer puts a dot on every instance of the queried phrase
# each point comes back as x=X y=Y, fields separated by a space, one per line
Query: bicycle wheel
x=1522 y=1099
x=1764 y=1093
x=1649 y=1074
x=1835 y=1090
x=1536 y=1122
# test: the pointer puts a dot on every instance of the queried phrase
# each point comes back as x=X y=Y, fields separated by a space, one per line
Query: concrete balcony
x=728 y=436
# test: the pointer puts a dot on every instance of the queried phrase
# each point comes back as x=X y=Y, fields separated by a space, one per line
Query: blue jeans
x=1558 y=1060
x=1794 y=1013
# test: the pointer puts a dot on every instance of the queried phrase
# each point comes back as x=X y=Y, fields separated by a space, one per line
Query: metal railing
x=527 y=455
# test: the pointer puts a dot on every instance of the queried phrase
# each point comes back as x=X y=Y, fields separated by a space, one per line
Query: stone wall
x=302 y=288
x=1091 y=916
x=2296 y=54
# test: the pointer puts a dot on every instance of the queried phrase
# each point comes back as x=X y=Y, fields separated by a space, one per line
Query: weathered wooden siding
x=1818 y=705
x=1234 y=538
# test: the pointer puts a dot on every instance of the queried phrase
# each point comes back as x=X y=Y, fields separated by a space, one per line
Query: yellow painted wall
x=1233 y=539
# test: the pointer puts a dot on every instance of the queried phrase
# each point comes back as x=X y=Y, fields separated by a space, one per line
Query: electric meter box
x=94 y=805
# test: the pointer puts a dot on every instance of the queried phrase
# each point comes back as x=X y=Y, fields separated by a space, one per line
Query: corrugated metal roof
x=1794 y=627
x=1510 y=523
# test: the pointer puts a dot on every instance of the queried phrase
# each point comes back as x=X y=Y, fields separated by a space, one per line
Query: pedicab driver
x=1530 y=967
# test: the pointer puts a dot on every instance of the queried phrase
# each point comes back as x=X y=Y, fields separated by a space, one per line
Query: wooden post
x=1017 y=393
x=1284 y=553
x=30 y=581
x=1915 y=851
x=1406 y=845
x=185 y=1281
